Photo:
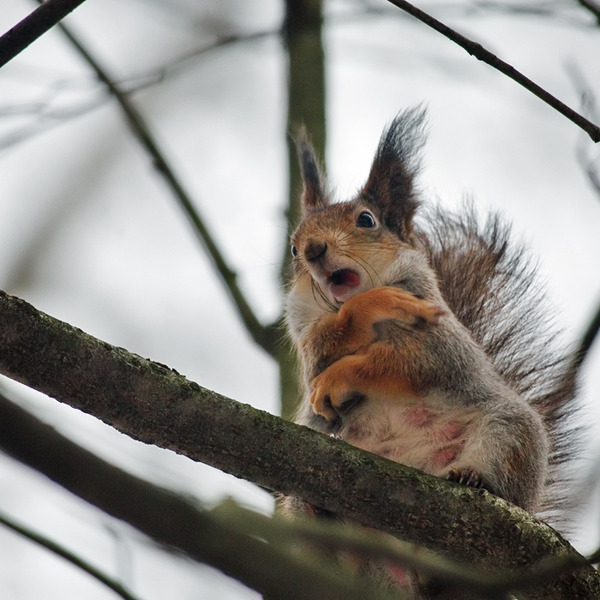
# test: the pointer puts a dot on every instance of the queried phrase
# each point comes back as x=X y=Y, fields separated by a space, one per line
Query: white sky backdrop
x=89 y=233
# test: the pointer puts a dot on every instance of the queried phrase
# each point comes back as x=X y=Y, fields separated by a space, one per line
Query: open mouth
x=342 y=283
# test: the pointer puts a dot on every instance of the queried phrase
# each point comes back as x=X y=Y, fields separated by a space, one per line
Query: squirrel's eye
x=294 y=251
x=366 y=220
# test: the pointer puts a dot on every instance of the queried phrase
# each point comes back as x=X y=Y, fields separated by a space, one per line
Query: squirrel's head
x=342 y=249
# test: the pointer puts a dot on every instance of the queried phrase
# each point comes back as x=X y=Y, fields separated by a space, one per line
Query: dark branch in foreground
x=478 y=51
x=34 y=26
x=349 y=538
x=156 y=405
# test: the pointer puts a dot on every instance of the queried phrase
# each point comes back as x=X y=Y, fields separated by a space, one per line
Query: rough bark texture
x=174 y=521
x=156 y=405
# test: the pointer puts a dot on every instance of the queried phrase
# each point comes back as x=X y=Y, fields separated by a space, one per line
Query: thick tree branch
x=120 y=494
x=156 y=405
x=169 y=519
x=478 y=51
x=34 y=26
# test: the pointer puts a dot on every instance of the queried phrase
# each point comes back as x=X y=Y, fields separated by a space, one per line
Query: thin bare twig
x=34 y=26
x=69 y=556
x=158 y=74
x=478 y=51
x=262 y=335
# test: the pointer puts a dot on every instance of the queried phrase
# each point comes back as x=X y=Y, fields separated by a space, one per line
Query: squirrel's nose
x=315 y=250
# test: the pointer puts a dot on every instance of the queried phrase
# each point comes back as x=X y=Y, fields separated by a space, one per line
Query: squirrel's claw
x=469 y=478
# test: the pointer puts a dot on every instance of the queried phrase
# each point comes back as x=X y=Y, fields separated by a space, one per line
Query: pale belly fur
x=424 y=434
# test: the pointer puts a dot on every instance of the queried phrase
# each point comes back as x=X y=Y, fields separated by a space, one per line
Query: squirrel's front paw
x=415 y=312
x=331 y=397
x=384 y=303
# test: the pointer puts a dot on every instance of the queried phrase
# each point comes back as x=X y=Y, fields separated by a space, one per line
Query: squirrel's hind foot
x=470 y=478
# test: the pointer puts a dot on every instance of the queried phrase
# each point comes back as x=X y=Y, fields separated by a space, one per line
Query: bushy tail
x=492 y=287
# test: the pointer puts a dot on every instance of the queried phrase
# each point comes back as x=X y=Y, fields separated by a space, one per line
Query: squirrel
x=423 y=335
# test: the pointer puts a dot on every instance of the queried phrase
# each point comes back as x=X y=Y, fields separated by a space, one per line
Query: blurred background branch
x=141 y=130
x=62 y=552
x=592 y=6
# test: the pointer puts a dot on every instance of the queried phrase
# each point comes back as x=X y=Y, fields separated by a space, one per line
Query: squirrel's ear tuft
x=314 y=192
x=390 y=186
